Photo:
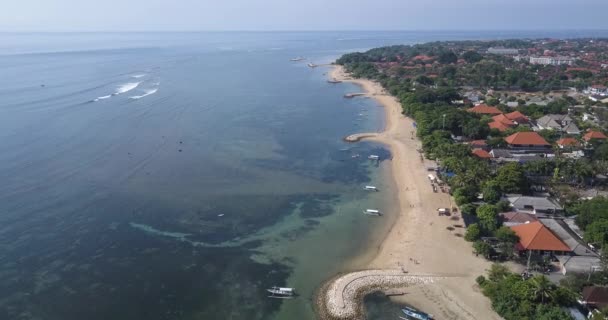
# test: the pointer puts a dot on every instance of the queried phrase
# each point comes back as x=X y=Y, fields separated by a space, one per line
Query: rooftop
x=535 y=236
x=480 y=153
x=526 y=138
x=594 y=135
x=597 y=296
x=484 y=109
x=517 y=116
x=567 y=142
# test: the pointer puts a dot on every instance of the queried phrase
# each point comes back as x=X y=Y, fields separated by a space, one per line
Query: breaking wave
x=147 y=93
x=126 y=88
x=137 y=76
x=102 y=98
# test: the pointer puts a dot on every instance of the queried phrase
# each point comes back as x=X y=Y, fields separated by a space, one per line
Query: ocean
x=179 y=175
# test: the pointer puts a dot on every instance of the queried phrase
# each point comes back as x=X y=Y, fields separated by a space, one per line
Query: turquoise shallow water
x=178 y=175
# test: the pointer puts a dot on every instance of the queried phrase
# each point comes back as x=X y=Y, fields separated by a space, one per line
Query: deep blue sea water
x=178 y=175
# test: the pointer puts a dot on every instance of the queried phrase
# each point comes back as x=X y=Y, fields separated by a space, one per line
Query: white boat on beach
x=281 y=293
x=372 y=212
x=371 y=188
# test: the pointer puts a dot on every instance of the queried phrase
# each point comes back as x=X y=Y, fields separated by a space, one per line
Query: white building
x=503 y=51
x=554 y=61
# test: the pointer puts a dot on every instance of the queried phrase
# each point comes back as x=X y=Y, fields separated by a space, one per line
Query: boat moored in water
x=371 y=188
x=372 y=212
x=281 y=293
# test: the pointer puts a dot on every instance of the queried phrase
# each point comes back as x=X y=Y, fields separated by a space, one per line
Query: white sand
x=419 y=242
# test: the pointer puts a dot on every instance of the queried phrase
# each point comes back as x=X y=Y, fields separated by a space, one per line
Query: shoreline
x=419 y=242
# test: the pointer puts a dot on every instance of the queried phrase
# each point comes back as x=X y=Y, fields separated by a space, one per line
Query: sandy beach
x=420 y=242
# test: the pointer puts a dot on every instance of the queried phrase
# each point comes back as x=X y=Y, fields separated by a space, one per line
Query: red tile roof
x=478 y=143
x=497 y=125
x=485 y=109
x=480 y=153
x=535 y=236
x=526 y=138
x=517 y=116
x=504 y=120
x=594 y=135
x=567 y=142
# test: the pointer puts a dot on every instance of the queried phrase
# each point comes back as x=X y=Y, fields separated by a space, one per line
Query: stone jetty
x=340 y=299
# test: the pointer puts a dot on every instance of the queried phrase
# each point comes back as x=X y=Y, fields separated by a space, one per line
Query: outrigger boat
x=281 y=293
x=413 y=313
x=372 y=212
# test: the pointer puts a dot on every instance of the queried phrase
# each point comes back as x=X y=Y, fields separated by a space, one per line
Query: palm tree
x=543 y=288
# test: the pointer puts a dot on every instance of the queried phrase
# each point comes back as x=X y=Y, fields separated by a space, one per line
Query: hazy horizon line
x=304 y=30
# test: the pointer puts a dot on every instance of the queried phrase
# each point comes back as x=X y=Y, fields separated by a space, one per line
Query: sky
x=274 y=15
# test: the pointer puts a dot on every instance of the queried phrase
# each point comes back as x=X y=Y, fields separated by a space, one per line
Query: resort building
x=528 y=141
x=537 y=238
x=554 y=61
x=502 y=122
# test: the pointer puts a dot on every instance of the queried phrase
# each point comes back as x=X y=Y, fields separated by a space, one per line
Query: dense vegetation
x=516 y=298
x=592 y=218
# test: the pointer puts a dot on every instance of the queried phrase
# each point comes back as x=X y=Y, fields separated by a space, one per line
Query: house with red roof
x=594 y=135
x=517 y=117
x=531 y=141
x=479 y=144
x=567 y=143
x=485 y=109
x=482 y=154
x=535 y=237
x=503 y=122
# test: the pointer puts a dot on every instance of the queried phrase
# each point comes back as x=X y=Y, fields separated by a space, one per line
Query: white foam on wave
x=102 y=98
x=147 y=93
x=126 y=87
x=137 y=76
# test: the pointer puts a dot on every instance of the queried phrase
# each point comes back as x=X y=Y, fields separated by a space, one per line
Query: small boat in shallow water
x=297 y=59
x=281 y=293
x=371 y=188
x=415 y=314
x=372 y=212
